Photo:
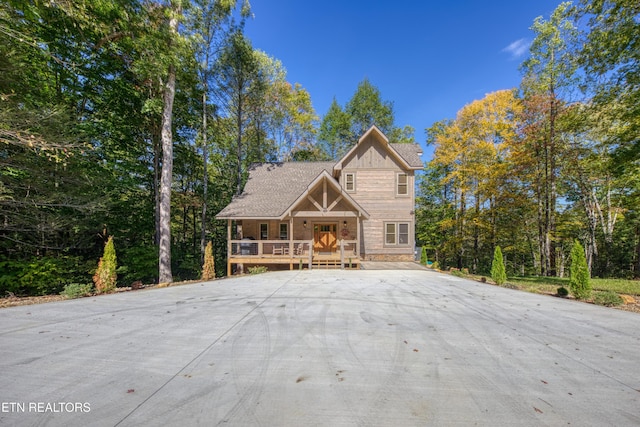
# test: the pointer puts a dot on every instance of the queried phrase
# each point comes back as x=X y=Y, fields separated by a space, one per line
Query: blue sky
x=430 y=58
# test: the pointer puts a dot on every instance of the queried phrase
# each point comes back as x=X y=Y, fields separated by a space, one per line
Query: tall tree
x=366 y=108
x=237 y=74
x=610 y=55
x=335 y=131
x=549 y=75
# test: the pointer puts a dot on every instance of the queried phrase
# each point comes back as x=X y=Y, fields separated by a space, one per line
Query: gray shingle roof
x=410 y=153
x=272 y=188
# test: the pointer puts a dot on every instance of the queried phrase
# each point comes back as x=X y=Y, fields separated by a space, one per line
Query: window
x=390 y=234
x=396 y=233
x=403 y=184
x=284 y=231
x=350 y=181
x=264 y=231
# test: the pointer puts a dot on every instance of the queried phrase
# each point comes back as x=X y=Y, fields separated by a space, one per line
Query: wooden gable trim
x=325 y=209
x=384 y=141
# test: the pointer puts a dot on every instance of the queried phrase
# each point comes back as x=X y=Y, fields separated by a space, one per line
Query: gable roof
x=325 y=176
x=408 y=155
x=272 y=188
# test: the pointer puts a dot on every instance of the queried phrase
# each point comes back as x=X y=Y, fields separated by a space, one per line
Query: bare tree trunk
x=166 y=177
x=205 y=174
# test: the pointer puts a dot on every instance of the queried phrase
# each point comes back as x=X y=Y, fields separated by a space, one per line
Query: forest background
x=139 y=119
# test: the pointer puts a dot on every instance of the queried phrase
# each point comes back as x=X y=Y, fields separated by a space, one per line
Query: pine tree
x=579 y=281
x=498 y=271
x=423 y=256
x=209 y=267
x=106 y=276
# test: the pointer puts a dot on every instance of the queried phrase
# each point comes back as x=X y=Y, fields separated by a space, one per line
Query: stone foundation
x=388 y=258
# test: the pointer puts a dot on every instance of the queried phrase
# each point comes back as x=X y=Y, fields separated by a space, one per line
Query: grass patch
x=551 y=284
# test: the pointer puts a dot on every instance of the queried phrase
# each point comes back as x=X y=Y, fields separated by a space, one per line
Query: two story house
x=306 y=214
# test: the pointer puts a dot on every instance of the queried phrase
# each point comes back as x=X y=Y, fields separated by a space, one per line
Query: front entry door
x=324 y=237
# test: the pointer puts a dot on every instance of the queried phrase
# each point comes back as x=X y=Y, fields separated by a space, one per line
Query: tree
x=579 y=282
x=209 y=267
x=334 y=134
x=237 y=79
x=498 y=271
x=548 y=75
x=366 y=108
x=611 y=59
x=166 y=177
x=105 y=277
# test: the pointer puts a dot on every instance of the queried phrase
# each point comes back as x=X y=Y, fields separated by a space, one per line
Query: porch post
x=229 y=247
x=342 y=254
x=291 y=243
x=358 y=236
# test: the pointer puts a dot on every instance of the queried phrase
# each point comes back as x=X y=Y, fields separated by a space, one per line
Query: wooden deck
x=291 y=254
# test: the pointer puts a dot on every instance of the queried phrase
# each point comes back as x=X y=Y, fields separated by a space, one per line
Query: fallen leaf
x=544 y=382
x=537 y=410
x=130 y=390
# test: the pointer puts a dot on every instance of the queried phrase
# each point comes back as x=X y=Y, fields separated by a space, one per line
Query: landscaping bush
x=106 y=276
x=257 y=269
x=498 y=270
x=579 y=282
x=77 y=290
x=562 y=291
x=607 y=298
x=209 y=267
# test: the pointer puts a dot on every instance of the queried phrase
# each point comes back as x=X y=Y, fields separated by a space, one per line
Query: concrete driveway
x=327 y=348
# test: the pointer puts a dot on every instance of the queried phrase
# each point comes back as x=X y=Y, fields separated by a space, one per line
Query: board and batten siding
x=375 y=172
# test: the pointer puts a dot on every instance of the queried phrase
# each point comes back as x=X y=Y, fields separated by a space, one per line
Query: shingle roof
x=410 y=153
x=272 y=188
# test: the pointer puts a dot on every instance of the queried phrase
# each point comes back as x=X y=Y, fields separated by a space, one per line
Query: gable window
x=396 y=233
x=402 y=184
x=264 y=231
x=284 y=231
x=350 y=181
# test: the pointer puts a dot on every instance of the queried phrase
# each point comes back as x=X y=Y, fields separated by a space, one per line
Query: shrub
x=138 y=263
x=423 y=256
x=579 y=282
x=435 y=265
x=41 y=275
x=562 y=291
x=106 y=276
x=498 y=271
x=257 y=269
x=607 y=298
x=209 y=267
x=77 y=290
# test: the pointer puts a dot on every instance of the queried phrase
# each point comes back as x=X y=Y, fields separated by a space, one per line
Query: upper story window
x=350 y=181
x=402 y=187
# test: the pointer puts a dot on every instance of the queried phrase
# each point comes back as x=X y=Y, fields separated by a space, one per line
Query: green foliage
x=209 y=267
x=41 y=275
x=138 y=263
x=435 y=265
x=607 y=298
x=258 y=269
x=366 y=108
x=579 y=281
x=498 y=271
x=562 y=291
x=106 y=276
x=423 y=256
x=77 y=290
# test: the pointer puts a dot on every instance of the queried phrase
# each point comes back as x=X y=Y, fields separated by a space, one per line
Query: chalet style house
x=317 y=214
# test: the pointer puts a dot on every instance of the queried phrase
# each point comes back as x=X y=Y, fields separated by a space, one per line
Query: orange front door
x=324 y=237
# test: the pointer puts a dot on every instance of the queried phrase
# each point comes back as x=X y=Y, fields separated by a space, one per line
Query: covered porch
x=291 y=254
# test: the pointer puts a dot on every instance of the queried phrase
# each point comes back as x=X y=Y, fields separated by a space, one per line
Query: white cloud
x=517 y=48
